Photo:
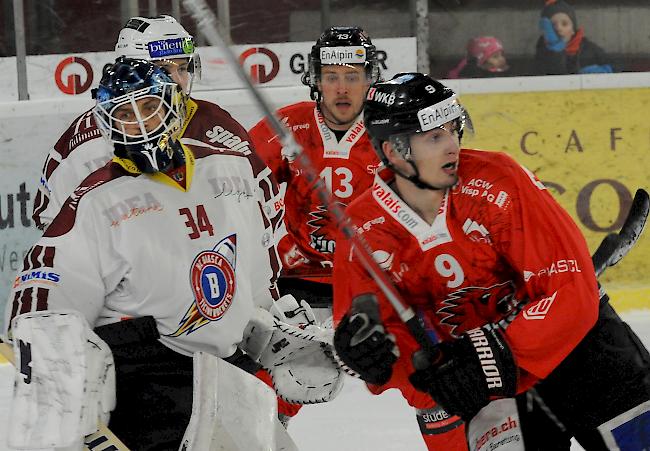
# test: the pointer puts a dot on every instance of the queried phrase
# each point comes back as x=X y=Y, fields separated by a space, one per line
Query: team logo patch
x=468 y=303
x=212 y=278
x=213 y=283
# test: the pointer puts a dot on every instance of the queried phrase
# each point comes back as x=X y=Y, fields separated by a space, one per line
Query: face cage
x=113 y=129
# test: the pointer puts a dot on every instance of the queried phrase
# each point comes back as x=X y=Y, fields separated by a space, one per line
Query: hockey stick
x=102 y=440
x=207 y=23
x=616 y=245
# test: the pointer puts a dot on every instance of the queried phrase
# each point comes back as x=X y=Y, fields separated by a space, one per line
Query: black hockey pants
x=607 y=374
x=154 y=386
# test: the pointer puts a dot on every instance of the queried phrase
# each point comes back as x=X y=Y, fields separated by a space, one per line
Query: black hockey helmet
x=343 y=46
x=406 y=104
x=122 y=85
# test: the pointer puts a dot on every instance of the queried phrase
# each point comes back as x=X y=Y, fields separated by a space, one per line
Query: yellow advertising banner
x=592 y=150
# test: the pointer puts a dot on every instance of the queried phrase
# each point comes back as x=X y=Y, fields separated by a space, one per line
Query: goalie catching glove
x=470 y=372
x=295 y=351
x=362 y=343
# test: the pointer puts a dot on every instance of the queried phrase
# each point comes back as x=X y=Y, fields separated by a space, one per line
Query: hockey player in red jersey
x=342 y=65
x=498 y=273
x=166 y=251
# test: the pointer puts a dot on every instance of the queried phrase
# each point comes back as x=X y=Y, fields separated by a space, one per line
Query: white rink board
x=354 y=421
x=274 y=65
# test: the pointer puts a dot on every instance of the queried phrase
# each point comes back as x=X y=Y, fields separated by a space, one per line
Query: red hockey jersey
x=347 y=167
x=499 y=239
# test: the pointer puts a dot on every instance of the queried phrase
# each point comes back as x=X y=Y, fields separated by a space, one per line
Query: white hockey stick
x=207 y=24
x=102 y=440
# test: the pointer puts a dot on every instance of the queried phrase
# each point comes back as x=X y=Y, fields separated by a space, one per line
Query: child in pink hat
x=485 y=58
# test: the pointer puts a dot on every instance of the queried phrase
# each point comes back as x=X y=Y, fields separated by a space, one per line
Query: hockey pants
x=604 y=381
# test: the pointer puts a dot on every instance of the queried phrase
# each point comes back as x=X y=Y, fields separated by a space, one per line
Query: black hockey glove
x=470 y=372
x=361 y=342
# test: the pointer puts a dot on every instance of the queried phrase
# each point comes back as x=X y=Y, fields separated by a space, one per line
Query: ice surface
x=354 y=421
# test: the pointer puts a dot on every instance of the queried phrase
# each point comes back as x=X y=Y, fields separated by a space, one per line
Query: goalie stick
x=102 y=440
x=616 y=245
x=207 y=23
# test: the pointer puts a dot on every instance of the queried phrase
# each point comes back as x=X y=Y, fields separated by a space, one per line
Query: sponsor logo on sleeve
x=483 y=189
x=540 y=309
x=476 y=232
x=294 y=127
x=37 y=276
x=368 y=224
x=557 y=267
x=220 y=135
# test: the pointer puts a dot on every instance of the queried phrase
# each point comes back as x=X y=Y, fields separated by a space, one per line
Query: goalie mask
x=162 y=40
x=406 y=104
x=340 y=46
x=140 y=110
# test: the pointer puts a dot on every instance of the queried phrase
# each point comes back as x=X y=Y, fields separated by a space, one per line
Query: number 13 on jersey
x=338 y=181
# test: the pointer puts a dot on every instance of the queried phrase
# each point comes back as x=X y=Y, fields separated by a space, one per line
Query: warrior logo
x=462 y=307
x=212 y=278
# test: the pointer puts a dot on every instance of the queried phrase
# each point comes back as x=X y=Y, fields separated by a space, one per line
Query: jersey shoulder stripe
x=83 y=129
x=66 y=218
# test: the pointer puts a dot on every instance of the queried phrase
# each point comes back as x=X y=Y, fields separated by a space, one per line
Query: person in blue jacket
x=563 y=48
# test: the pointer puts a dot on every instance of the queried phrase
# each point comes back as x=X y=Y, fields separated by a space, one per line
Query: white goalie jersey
x=125 y=244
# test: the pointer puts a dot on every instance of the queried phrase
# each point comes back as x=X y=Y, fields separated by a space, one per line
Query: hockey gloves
x=553 y=42
x=472 y=370
x=362 y=343
x=299 y=353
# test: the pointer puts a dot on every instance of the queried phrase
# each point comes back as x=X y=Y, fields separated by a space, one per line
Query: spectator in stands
x=563 y=48
x=485 y=58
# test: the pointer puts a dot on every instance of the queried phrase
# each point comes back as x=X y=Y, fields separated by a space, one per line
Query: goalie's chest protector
x=185 y=257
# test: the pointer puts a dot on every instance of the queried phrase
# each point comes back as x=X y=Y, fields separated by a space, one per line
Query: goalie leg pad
x=230 y=407
x=65 y=383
